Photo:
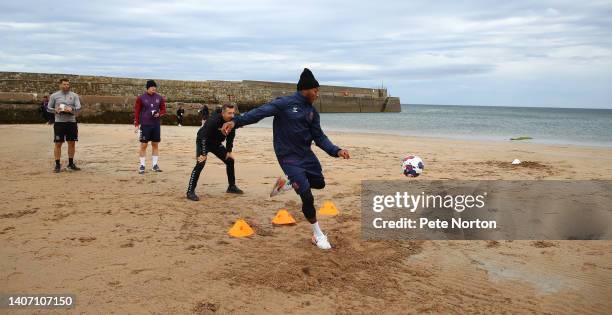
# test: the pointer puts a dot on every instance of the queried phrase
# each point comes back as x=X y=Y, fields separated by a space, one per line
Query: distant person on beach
x=179 y=115
x=148 y=110
x=65 y=104
x=48 y=117
x=296 y=124
x=210 y=139
x=204 y=113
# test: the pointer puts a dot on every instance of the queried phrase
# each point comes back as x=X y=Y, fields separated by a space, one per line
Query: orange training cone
x=328 y=208
x=283 y=217
x=240 y=229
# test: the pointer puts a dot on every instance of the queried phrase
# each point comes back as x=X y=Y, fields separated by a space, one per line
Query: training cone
x=283 y=217
x=240 y=229
x=328 y=208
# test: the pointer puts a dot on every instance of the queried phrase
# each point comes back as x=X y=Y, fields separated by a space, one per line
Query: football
x=412 y=166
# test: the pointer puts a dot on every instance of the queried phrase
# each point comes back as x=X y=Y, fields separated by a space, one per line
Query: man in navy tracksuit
x=296 y=124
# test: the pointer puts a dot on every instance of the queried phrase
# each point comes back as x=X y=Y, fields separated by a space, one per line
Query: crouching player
x=210 y=139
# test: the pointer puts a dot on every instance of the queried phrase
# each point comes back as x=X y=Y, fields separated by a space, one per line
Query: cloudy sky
x=515 y=53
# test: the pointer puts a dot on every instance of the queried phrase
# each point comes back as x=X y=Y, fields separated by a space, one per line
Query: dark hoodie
x=296 y=125
x=210 y=136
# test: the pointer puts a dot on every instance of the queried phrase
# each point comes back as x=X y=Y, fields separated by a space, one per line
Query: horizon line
x=505 y=106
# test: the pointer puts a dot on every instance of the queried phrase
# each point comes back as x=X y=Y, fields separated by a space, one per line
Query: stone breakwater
x=111 y=99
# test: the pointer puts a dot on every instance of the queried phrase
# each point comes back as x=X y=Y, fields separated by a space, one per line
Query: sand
x=129 y=243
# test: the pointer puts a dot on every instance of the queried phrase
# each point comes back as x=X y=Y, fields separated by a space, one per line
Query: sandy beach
x=129 y=243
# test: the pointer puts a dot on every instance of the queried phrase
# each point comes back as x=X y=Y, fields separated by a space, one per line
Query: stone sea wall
x=111 y=99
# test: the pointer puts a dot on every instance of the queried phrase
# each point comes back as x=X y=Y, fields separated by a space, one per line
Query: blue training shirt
x=296 y=124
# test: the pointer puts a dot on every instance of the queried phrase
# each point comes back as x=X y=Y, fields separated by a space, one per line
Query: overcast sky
x=515 y=53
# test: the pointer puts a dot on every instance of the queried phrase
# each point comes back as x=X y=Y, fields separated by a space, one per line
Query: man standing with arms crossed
x=296 y=124
x=148 y=110
x=65 y=104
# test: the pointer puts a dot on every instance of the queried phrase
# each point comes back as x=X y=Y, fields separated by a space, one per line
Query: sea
x=559 y=126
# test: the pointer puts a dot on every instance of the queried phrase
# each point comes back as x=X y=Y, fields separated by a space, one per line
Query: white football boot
x=321 y=242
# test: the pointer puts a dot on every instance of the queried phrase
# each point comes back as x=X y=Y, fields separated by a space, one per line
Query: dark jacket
x=296 y=124
x=204 y=112
x=210 y=136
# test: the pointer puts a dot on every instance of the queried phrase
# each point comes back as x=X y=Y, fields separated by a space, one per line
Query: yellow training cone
x=240 y=229
x=328 y=208
x=283 y=217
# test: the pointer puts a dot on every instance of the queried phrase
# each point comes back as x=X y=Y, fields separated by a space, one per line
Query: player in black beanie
x=296 y=126
x=151 y=83
x=307 y=81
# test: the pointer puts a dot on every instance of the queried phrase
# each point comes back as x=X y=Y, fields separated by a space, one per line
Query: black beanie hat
x=307 y=81
x=151 y=83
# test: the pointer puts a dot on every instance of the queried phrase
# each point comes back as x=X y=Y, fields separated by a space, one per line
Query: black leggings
x=308 y=207
x=221 y=153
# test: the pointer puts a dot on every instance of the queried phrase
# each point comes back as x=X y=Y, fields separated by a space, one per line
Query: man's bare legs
x=142 y=155
x=57 y=151
x=143 y=149
x=155 y=149
x=71 y=149
x=57 y=154
x=155 y=155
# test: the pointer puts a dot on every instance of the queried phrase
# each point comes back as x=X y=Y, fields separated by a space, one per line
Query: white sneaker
x=282 y=184
x=321 y=242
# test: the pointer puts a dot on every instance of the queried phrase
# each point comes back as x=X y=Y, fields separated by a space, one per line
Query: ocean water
x=591 y=127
